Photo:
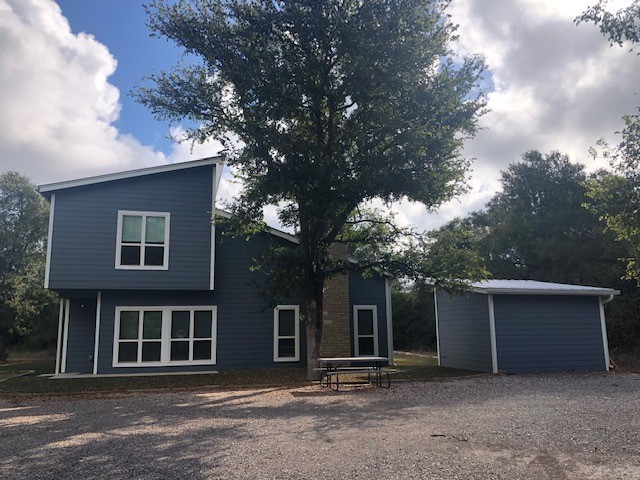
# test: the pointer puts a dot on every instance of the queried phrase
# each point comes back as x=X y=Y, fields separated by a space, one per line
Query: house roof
x=271 y=230
x=277 y=233
x=49 y=188
x=533 y=287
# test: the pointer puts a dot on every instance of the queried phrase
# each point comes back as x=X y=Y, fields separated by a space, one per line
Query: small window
x=286 y=333
x=164 y=336
x=143 y=240
x=365 y=330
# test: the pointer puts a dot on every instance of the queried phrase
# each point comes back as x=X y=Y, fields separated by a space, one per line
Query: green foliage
x=619 y=27
x=616 y=199
x=27 y=311
x=621 y=208
x=323 y=106
x=414 y=321
x=537 y=227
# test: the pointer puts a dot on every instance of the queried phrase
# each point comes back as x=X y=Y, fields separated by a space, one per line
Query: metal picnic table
x=371 y=365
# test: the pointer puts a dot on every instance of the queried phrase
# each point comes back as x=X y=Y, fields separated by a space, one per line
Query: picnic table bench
x=333 y=367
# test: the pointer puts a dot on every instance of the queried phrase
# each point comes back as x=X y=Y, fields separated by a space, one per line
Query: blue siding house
x=520 y=326
x=148 y=284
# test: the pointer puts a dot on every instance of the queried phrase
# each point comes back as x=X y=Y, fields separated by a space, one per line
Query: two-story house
x=148 y=284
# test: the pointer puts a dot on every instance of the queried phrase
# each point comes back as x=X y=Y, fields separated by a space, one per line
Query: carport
x=519 y=326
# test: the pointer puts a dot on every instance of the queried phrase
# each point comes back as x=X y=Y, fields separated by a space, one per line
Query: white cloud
x=57 y=106
x=555 y=86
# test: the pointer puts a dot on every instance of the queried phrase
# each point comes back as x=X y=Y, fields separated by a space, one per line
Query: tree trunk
x=314 y=336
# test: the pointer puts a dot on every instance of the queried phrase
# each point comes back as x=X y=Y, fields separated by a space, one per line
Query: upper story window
x=143 y=240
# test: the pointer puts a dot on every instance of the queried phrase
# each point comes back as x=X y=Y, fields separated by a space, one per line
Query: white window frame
x=143 y=244
x=277 y=336
x=165 y=338
x=357 y=336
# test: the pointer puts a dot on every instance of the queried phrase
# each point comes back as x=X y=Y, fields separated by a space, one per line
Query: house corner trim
x=47 y=269
x=435 y=306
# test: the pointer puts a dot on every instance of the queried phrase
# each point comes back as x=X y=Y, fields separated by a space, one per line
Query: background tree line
x=551 y=222
x=554 y=222
x=28 y=312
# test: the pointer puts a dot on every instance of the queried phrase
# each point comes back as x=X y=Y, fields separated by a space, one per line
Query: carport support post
x=63 y=362
x=603 y=326
x=59 y=344
x=492 y=333
x=96 y=335
x=435 y=304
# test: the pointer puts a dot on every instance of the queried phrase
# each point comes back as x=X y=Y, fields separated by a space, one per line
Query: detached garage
x=518 y=326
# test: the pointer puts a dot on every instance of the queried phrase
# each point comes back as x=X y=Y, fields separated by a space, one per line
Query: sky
x=67 y=69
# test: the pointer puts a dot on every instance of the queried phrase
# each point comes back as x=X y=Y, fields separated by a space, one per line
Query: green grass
x=422 y=367
x=410 y=367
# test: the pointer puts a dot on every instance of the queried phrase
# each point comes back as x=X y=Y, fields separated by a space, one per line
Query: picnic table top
x=352 y=359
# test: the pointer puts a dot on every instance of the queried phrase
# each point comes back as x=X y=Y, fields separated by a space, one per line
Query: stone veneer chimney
x=336 y=334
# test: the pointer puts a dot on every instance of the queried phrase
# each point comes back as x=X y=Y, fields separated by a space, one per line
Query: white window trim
x=165 y=338
x=165 y=261
x=277 y=336
x=356 y=336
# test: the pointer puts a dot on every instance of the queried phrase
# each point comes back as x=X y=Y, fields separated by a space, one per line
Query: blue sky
x=121 y=26
x=66 y=70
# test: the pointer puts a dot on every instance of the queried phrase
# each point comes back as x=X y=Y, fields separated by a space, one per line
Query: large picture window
x=365 y=330
x=151 y=336
x=143 y=240
x=286 y=333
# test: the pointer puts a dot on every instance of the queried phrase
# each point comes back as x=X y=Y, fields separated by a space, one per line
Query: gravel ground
x=560 y=426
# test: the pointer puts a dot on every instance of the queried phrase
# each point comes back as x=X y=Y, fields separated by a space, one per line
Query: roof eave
x=519 y=291
x=49 y=188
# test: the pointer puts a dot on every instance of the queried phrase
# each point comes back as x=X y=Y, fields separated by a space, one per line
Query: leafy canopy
x=538 y=228
x=323 y=106
x=25 y=306
x=331 y=103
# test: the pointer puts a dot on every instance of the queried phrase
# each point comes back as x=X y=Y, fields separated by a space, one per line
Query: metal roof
x=534 y=287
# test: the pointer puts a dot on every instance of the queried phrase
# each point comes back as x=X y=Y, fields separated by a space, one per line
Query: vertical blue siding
x=83 y=249
x=369 y=291
x=82 y=324
x=463 y=329
x=548 y=333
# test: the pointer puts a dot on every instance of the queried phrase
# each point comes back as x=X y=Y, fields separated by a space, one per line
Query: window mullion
x=140 y=320
x=165 y=336
x=192 y=314
x=143 y=237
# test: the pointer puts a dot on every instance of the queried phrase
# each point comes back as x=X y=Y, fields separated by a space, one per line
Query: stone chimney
x=336 y=334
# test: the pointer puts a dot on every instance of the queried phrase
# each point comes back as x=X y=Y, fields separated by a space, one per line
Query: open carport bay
x=554 y=426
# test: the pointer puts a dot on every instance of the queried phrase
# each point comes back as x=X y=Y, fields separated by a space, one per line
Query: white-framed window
x=153 y=336
x=286 y=333
x=365 y=330
x=143 y=240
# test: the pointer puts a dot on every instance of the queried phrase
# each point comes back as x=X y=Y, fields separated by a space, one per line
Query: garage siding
x=463 y=328
x=548 y=333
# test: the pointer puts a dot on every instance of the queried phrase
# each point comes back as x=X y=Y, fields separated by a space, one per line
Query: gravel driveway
x=560 y=426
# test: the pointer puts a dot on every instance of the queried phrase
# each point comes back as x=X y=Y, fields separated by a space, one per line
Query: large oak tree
x=324 y=106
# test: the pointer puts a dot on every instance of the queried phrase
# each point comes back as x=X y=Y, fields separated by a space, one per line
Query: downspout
x=608 y=299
